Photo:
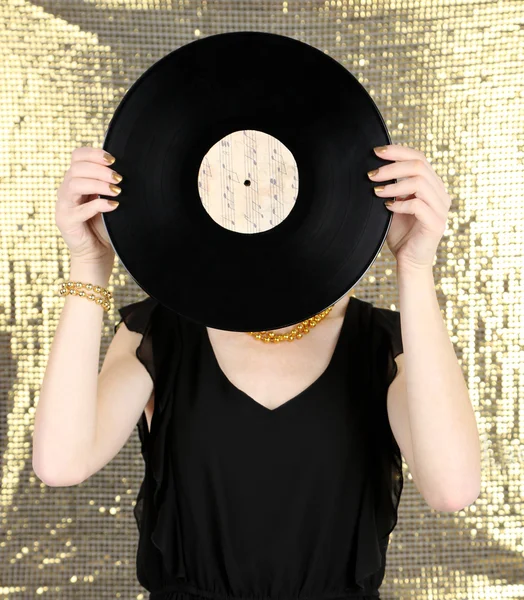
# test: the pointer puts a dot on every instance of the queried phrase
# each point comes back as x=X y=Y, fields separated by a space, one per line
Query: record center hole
x=247 y=183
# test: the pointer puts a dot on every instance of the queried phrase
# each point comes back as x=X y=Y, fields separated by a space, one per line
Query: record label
x=248 y=182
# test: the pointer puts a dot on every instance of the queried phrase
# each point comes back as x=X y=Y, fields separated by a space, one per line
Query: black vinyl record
x=167 y=122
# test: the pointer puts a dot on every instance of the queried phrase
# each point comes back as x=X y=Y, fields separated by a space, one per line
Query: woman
x=272 y=469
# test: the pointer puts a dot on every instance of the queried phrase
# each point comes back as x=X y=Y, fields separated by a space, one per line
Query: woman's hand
x=422 y=210
x=79 y=207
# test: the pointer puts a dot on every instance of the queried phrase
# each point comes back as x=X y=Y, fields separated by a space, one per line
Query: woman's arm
x=433 y=403
x=444 y=441
x=65 y=414
x=83 y=418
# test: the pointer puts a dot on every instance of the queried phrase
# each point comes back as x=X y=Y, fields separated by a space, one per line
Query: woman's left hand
x=421 y=206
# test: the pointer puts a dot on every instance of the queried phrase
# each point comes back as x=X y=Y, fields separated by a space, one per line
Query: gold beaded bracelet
x=76 y=288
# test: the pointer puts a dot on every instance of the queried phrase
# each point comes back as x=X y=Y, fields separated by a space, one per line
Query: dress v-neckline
x=291 y=401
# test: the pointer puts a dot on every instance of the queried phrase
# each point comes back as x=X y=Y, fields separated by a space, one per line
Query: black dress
x=240 y=501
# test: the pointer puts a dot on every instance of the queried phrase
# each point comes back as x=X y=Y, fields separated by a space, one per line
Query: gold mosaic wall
x=447 y=75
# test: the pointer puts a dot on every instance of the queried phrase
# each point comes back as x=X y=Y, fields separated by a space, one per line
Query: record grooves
x=191 y=99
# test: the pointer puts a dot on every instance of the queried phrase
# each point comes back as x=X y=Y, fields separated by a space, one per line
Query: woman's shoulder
x=380 y=314
x=385 y=322
x=137 y=315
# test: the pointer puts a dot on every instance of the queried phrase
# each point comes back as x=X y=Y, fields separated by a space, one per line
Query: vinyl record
x=291 y=233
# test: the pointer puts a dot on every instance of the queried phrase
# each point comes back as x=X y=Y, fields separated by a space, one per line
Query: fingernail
x=109 y=158
x=114 y=202
x=388 y=202
x=114 y=188
x=379 y=188
x=381 y=148
x=372 y=173
x=116 y=176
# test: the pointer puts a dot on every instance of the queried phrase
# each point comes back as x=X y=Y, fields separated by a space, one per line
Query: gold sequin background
x=447 y=75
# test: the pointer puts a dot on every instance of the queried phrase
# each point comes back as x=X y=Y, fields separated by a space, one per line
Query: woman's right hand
x=79 y=207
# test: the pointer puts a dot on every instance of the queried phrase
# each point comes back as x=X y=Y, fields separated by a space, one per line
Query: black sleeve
x=138 y=317
x=389 y=320
x=388 y=470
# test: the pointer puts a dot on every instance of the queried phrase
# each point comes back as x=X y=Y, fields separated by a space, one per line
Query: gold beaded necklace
x=295 y=334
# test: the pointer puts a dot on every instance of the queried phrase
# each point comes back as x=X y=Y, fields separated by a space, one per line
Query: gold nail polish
x=114 y=202
x=109 y=158
x=372 y=173
x=114 y=188
x=381 y=148
x=388 y=202
x=379 y=188
x=116 y=176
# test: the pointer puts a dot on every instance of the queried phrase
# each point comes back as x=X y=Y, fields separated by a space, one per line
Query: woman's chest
x=299 y=401
x=272 y=374
x=216 y=422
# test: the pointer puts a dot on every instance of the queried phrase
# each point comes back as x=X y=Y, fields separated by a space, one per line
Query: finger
x=98 y=155
x=90 y=209
x=77 y=187
x=399 y=152
x=421 y=211
x=419 y=186
x=408 y=168
x=91 y=170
